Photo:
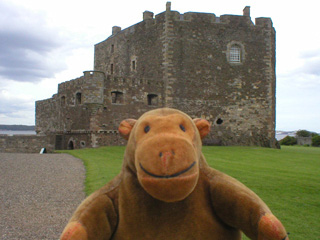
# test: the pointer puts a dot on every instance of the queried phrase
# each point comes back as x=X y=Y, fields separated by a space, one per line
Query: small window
x=235 y=53
x=133 y=65
x=117 y=97
x=152 y=99
x=82 y=144
x=78 y=98
x=112 y=48
x=111 y=68
x=219 y=121
x=63 y=101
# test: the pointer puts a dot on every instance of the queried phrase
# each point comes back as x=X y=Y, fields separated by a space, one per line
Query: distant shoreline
x=19 y=132
x=32 y=132
x=4 y=127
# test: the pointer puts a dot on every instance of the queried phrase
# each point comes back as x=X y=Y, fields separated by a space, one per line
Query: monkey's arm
x=96 y=217
x=241 y=208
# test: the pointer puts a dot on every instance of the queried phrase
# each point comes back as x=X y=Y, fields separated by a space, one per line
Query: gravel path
x=38 y=194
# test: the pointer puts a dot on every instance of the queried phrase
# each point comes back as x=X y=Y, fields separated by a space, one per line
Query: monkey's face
x=167 y=153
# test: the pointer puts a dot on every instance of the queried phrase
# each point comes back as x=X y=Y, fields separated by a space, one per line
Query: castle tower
x=218 y=68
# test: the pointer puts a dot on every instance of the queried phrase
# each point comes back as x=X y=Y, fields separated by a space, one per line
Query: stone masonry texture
x=218 y=68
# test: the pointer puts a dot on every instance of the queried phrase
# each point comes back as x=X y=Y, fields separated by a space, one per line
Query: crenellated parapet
x=236 y=20
x=221 y=68
x=85 y=89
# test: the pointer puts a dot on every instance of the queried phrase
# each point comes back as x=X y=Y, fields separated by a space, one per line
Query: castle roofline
x=149 y=17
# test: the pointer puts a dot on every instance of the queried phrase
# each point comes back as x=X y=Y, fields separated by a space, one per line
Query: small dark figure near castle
x=218 y=68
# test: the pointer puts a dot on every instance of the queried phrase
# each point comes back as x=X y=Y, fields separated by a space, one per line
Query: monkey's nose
x=165 y=157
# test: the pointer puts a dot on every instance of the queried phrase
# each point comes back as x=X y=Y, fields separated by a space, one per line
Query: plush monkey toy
x=166 y=190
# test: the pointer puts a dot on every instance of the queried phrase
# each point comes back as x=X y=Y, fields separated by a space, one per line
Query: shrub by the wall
x=316 y=141
x=288 y=141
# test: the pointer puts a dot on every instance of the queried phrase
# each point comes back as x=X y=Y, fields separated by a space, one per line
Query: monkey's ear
x=125 y=127
x=203 y=126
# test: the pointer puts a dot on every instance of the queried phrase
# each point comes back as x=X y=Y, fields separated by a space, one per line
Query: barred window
x=235 y=54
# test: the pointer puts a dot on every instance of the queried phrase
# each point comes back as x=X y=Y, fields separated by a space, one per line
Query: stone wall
x=304 y=141
x=236 y=97
x=74 y=140
x=172 y=60
x=25 y=143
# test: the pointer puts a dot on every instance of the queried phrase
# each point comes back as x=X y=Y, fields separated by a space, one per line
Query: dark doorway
x=70 y=145
x=59 y=142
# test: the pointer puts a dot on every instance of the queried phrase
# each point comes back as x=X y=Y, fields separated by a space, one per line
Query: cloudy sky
x=43 y=43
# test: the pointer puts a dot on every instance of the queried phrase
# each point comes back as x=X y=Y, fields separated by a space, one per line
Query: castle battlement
x=221 y=68
x=227 y=19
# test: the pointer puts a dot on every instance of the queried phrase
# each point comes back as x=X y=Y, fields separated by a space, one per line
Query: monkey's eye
x=146 y=128
x=182 y=128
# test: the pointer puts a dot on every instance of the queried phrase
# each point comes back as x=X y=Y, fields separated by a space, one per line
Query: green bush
x=289 y=141
x=306 y=133
x=303 y=133
x=316 y=141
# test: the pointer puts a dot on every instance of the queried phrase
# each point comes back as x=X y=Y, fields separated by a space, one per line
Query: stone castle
x=218 y=68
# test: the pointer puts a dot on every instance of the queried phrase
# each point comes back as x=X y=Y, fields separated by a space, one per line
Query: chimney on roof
x=168 y=6
x=115 y=30
x=246 y=11
x=147 y=15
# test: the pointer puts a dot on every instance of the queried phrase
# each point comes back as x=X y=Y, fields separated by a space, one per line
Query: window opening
x=83 y=144
x=78 y=98
x=133 y=65
x=63 y=101
x=112 y=48
x=235 y=53
x=152 y=99
x=117 y=97
x=219 y=121
x=111 y=68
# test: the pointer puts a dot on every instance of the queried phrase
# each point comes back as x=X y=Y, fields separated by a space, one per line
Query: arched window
x=78 y=98
x=235 y=53
x=117 y=97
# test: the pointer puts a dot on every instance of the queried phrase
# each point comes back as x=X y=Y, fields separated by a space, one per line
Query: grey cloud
x=11 y=106
x=26 y=45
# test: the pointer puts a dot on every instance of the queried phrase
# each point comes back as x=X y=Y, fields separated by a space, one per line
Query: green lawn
x=288 y=180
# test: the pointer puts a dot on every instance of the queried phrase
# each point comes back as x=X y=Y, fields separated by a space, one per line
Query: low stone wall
x=304 y=141
x=110 y=139
x=25 y=143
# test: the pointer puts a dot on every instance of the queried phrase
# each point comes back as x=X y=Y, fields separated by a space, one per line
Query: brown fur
x=166 y=190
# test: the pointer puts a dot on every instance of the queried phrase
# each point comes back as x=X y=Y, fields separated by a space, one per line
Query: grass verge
x=288 y=180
